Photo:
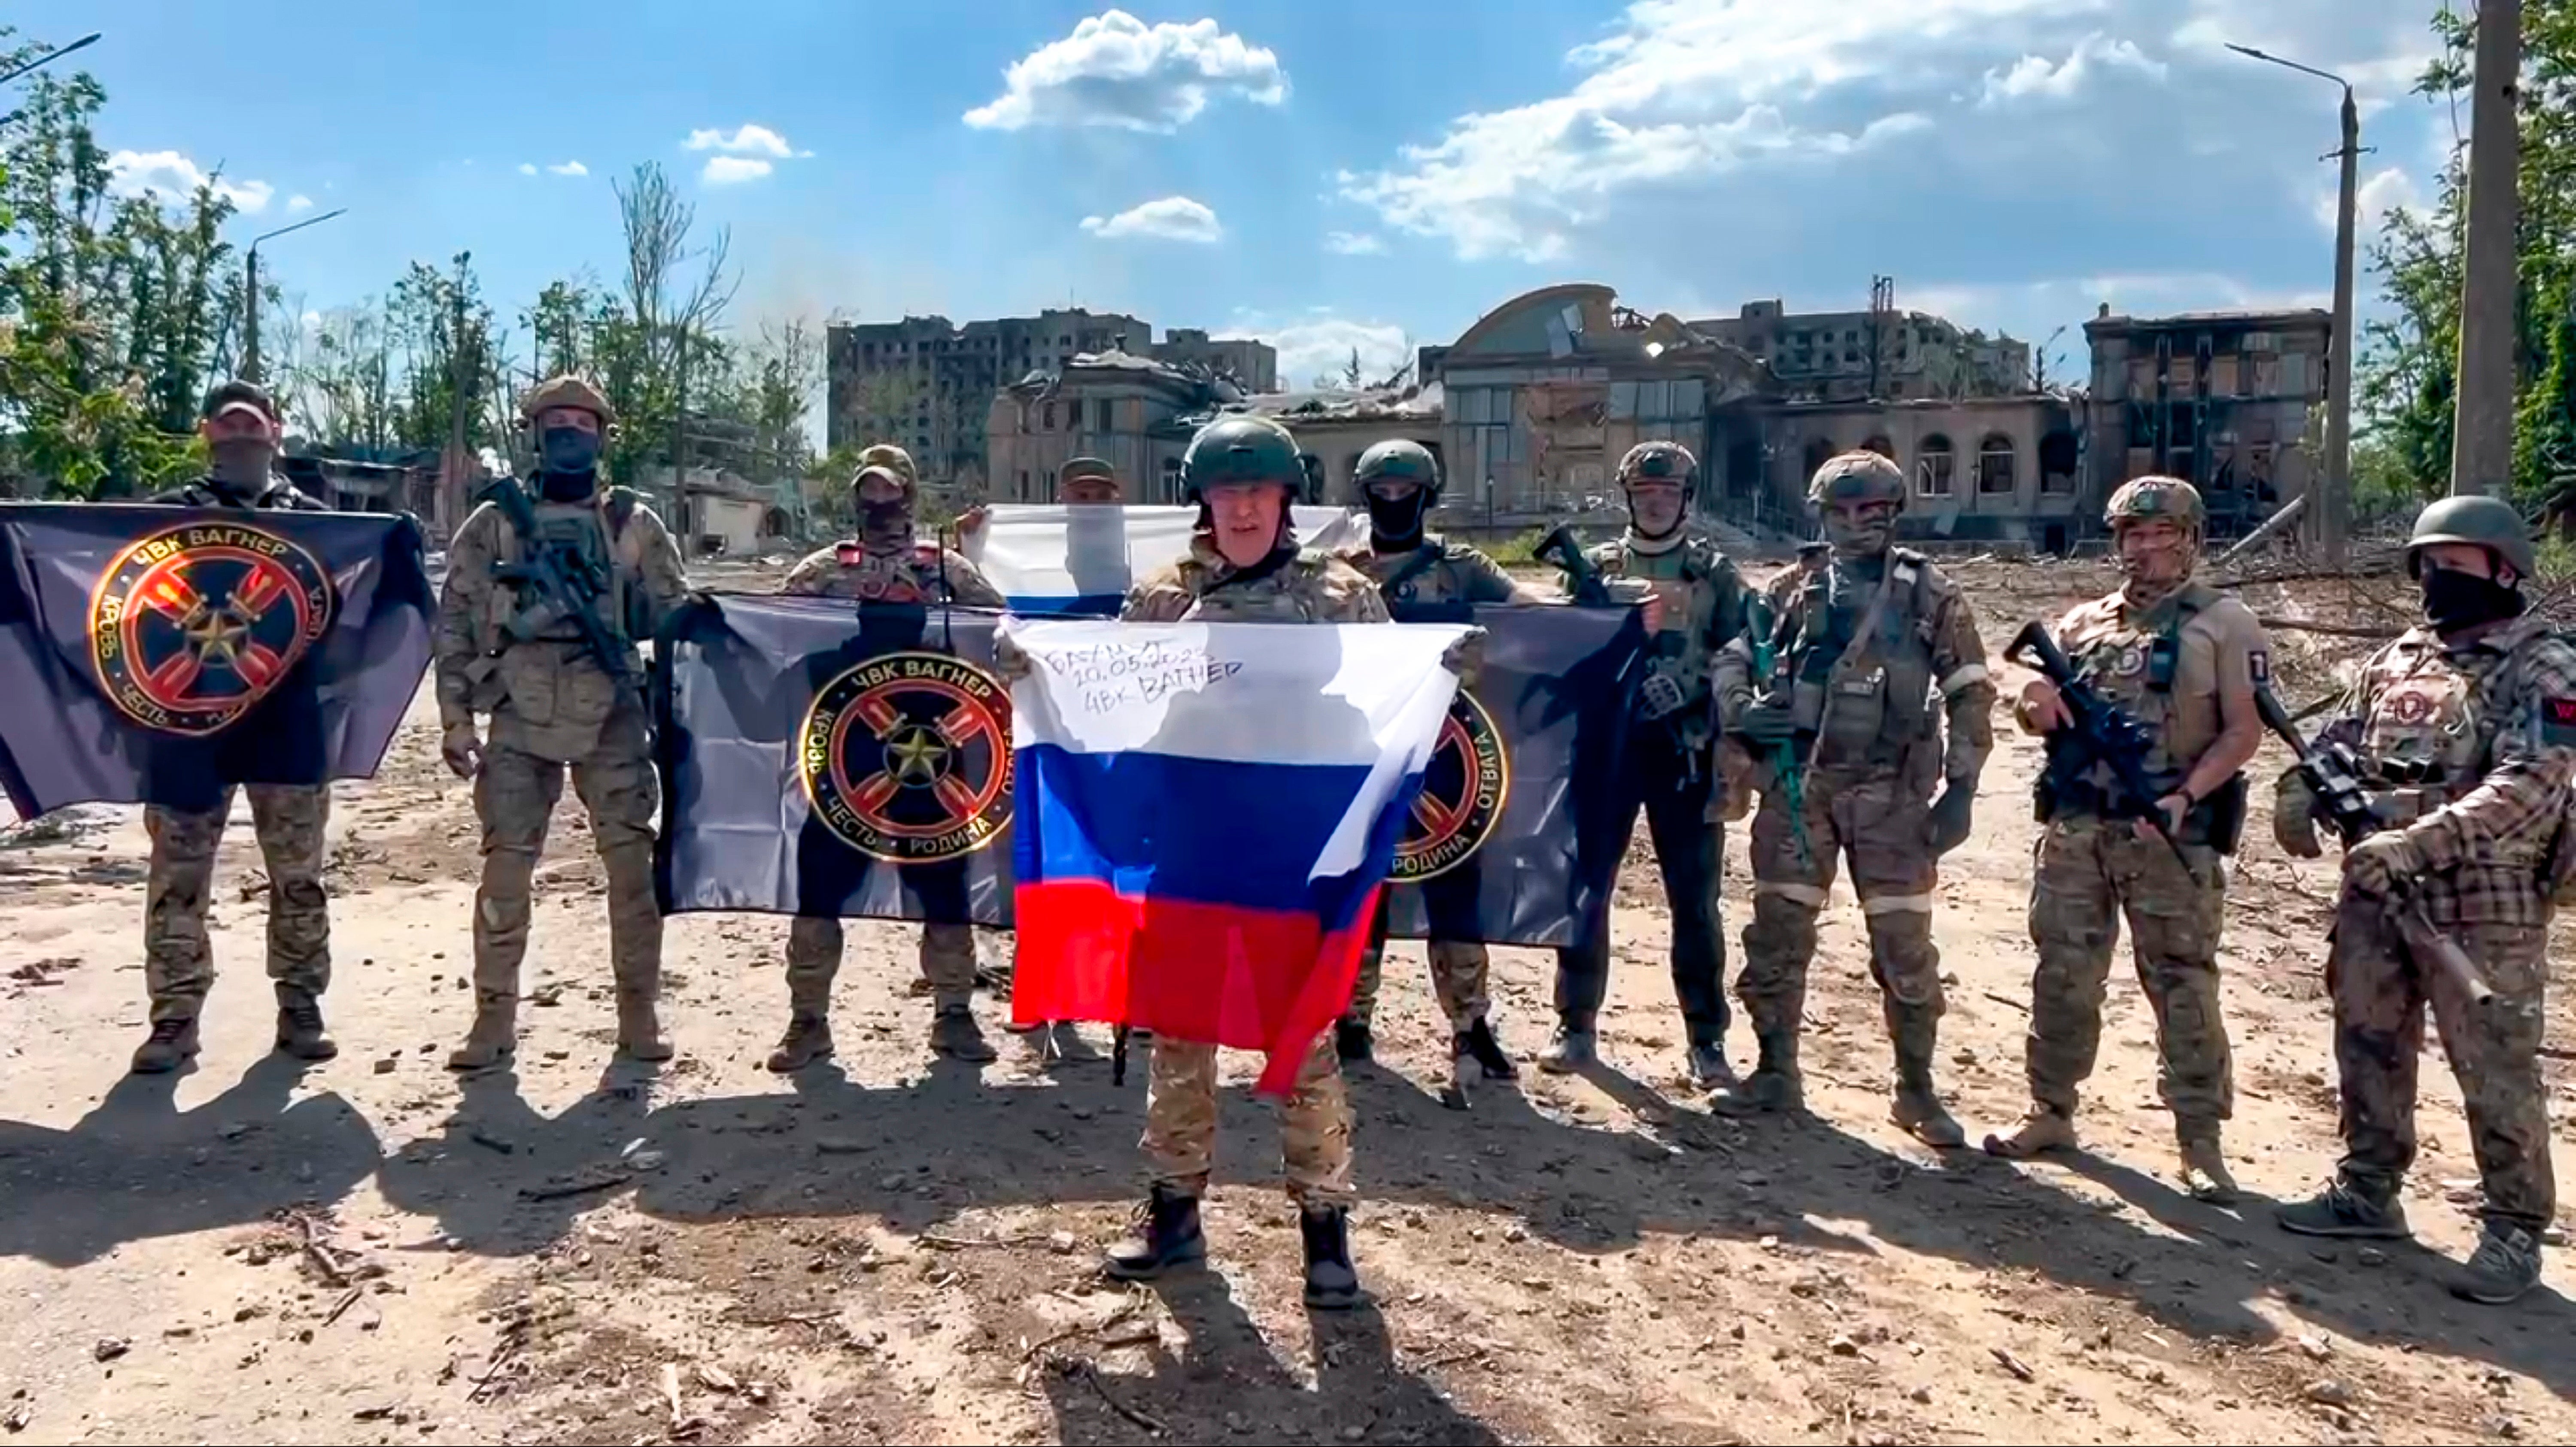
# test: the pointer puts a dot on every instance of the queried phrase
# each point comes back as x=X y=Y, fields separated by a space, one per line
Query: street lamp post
x=2334 y=519
x=49 y=58
x=250 y=292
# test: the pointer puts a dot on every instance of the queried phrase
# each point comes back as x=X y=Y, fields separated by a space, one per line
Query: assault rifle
x=2101 y=732
x=1583 y=582
x=1759 y=628
x=567 y=586
x=2334 y=776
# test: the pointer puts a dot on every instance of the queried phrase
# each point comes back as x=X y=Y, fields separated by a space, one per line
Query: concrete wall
x=1975 y=468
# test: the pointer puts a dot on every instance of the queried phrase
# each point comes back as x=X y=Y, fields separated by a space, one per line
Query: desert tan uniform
x=553 y=706
x=2165 y=665
x=924 y=572
x=1875 y=659
x=2471 y=750
x=290 y=822
x=1180 y=1104
x=1438 y=571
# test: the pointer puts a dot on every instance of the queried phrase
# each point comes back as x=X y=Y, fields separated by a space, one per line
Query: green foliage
x=2409 y=362
x=1521 y=551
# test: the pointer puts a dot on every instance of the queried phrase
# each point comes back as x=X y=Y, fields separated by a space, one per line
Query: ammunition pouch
x=2219 y=820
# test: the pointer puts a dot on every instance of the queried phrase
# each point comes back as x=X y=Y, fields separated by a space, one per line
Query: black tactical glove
x=1766 y=722
x=1953 y=815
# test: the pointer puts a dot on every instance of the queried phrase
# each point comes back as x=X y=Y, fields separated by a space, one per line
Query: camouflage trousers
x=1879 y=822
x=814 y=957
x=2379 y=1002
x=2089 y=872
x=291 y=821
x=514 y=795
x=1314 y=1123
x=1458 y=973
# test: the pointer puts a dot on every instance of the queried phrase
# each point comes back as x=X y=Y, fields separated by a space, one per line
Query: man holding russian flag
x=1205 y=818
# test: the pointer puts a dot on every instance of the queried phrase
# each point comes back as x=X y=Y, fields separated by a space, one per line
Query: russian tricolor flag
x=1050 y=559
x=1204 y=815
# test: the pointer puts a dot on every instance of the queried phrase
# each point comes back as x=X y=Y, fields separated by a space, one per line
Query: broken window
x=1880 y=445
x=2059 y=454
x=1820 y=451
x=1048 y=424
x=1995 y=464
x=1104 y=424
x=1932 y=469
x=2294 y=374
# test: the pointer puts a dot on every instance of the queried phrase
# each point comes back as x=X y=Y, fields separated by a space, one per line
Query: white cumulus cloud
x=1354 y=243
x=1173 y=218
x=171 y=176
x=730 y=170
x=527 y=168
x=298 y=203
x=569 y=168
x=1115 y=70
x=1320 y=343
x=2037 y=76
x=743 y=140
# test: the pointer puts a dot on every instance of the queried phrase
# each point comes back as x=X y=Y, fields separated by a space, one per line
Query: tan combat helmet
x=1857 y=477
x=566 y=391
x=2156 y=499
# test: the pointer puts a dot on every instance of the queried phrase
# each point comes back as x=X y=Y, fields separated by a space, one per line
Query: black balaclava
x=1395 y=524
x=567 y=464
x=2455 y=601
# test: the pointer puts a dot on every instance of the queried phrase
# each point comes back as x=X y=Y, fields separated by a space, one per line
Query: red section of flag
x=1244 y=979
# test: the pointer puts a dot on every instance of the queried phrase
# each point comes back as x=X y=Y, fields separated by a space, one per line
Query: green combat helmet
x=1659 y=462
x=1240 y=451
x=2156 y=499
x=1400 y=458
x=1855 y=478
x=2482 y=522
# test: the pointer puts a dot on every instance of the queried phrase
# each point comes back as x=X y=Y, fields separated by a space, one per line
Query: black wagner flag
x=157 y=654
x=1512 y=840
x=820 y=757
x=829 y=759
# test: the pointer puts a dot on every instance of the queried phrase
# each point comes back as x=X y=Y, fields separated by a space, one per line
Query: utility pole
x=2333 y=519
x=250 y=291
x=2482 y=424
x=49 y=57
x=678 y=501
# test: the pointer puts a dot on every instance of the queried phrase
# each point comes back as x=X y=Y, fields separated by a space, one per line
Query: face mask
x=569 y=449
x=241 y=461
x=2454 y=600
x=885 y=526
x=1858 y=536
x=1398 y=520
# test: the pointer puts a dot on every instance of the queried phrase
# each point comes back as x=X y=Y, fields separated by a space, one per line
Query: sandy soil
x=888 y=1249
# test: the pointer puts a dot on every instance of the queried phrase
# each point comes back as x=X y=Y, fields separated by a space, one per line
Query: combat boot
x=2204 y=1165
x=2504 y=1267
x=1167 y=1236
x=299 y=1025
x=1353 y=1041
x=1773 y=1086
x=1708 y=1067
x=808 y=1039
x=2043 y=1128
x=954 y=1033
x=1332 y=1283
x=639 y=1028
x=495 y=1034
x=172 y=1041
x=1573 y=1049
x=1477 y=1043
x=2348 y=1209
x=1916 y=1105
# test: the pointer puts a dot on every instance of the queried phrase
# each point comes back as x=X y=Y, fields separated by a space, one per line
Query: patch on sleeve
x=2558 y=722
x=2259 y=663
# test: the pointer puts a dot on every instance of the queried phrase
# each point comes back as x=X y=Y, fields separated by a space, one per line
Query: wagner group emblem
x=907 y=757
x=1462 y=795
x=192 y=626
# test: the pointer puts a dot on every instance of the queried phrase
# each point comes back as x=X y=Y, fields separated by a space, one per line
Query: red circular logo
x=907 y=757
x=192 y=626
x=1462 y=795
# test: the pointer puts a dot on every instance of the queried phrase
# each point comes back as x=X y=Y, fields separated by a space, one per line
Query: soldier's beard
x=2155 y=576
x=1858 y=540
x=885 y=527
x=242 y=464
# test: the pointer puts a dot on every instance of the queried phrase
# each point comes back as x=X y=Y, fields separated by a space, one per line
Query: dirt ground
x=889 y=1249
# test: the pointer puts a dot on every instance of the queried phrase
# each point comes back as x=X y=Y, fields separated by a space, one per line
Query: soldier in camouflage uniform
x=1244 y=565
x=241 y=427
x=1400 y=483
x=502 y=649
x=2466 y=733
x=1873 y=650
x=886 y=563
x=2184 y=660
x=1694 y=606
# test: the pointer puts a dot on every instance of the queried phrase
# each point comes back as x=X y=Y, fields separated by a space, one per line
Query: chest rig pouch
x=1861 y=664
x=566 y=568
x=1677 y=670
x=2137 y=672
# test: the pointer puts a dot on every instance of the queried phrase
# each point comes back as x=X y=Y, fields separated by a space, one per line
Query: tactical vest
x=1686 y=579
x=915 y=574
x=2422 y=742
x=1288 y=593
x=2134 y=667
x=591 y=532
x=1865 y=700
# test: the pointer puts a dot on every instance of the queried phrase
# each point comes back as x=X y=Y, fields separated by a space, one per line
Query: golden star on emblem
x=917 y=757
x=216 y=634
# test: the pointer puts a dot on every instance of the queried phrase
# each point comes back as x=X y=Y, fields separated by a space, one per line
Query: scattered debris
x=2330 y=1392
x=109 y=1348
x=2013 y=1364
x=579 y=1183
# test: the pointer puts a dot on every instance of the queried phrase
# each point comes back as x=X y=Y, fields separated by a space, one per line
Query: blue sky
x=1323 y=173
